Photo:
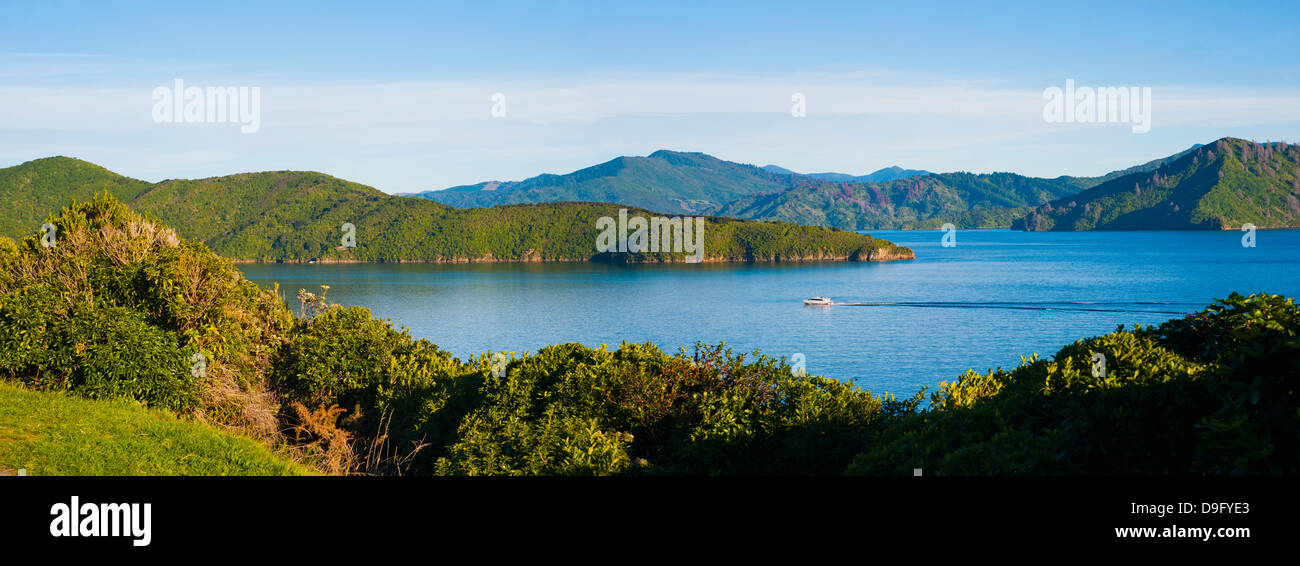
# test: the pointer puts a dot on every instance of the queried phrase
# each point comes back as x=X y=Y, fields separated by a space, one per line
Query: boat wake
x=1075 y=306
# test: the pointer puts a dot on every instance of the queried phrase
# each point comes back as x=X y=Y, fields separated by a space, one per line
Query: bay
x=995 y=296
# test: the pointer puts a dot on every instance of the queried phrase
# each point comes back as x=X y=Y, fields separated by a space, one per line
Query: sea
x=980 y=299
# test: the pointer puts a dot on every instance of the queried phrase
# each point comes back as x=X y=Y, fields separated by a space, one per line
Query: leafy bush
x=1213 y=393
x=572 y=409
x=100 y=352
x=387 y=384
x=1253 y=345
x=119 y=304
x=113 y=352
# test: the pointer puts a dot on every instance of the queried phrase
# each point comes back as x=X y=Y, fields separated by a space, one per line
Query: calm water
x=996 y=296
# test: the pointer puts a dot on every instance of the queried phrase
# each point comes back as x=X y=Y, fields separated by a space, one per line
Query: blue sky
x=397 y=95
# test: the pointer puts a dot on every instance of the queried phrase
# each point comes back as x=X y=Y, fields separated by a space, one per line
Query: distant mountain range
x=300 y=215
x=1219 y=186
x=967 y=200
x=886 y=174
x=754 y=213
x=896 y=198
x=669 y=182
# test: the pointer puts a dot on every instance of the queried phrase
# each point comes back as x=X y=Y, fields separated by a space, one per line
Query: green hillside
x=878 y=176
x=668 y=182
x=891 y=198
x=1219 y=186
x=967 y=200
x=677 y=182
x=1089 y=182
x=30 y=191
x=299 y=216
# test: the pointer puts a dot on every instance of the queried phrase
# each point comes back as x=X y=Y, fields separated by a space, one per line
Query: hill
x=668 y=182
x=1087 y=182
x=694 y=183
x=300 y=216
x=30 y=191
x=1219 y=186
x=880 y=175
x=968 y=200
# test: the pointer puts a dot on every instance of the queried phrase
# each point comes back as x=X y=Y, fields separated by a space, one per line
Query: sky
x=400 y=96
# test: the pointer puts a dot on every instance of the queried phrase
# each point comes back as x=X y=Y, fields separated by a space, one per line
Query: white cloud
x=409 y=136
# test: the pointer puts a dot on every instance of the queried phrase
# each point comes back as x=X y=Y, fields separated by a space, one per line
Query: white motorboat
x=818 y=302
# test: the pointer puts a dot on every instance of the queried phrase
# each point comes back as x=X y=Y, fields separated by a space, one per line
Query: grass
x=60 y=434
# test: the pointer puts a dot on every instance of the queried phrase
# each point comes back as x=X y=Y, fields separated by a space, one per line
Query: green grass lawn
x=59 y=434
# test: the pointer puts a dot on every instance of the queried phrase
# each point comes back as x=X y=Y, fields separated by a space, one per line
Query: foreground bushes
x=569 y=409
x=1213 y=393
x=392 y=393
x=575 y=410
x=119 y=307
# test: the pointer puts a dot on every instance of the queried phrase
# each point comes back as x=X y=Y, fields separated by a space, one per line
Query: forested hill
x=1219 y=186
x=878 y=176
x=968 y=200
x=31 y=191
x=892 y=198
x=300 y=216
x=670 y=182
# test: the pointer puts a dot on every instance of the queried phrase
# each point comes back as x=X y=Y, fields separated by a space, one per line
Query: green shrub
x=572 y=409
x=119 y=303
x=336 y=357
x=99 y=352
x=397 y=393
x=1213 y=393
x=113 y=352
x=1253 y=344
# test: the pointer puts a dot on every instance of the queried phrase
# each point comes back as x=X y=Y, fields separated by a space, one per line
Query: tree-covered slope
x=1219 y=186
x=1089 y=182
x=892 y=198
x=878 y=176
x=31 y=190
x=301 y=216
x=667 y=182
x=967 y=200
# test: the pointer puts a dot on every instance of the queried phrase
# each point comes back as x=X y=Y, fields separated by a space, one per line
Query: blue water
x=995 y=296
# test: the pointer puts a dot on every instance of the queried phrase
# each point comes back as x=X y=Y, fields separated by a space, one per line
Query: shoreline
x=874 y=256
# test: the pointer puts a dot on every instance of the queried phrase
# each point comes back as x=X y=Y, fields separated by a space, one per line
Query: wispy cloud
x=418 y=135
